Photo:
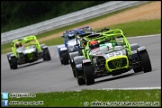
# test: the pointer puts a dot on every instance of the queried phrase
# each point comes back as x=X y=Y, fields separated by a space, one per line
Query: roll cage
x=116 y=37
x=26 y=41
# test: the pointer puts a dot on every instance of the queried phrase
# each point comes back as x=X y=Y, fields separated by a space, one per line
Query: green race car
x=83 y=45
x=110 y=54
x=27 y=50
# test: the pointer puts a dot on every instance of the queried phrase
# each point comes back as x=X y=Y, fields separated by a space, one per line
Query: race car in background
x=69 y=45
x=110 y=54
x=27 y=50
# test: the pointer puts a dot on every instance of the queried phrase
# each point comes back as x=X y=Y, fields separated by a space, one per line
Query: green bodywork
x=112 y=36
x=119 y=67
x=26 y=41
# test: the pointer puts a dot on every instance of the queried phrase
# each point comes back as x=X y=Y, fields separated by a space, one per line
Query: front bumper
x=117 y=63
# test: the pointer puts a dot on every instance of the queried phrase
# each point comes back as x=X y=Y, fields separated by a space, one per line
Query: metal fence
x=68 y=19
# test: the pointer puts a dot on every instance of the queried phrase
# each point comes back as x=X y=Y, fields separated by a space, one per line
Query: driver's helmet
x=18 y=45
x=93 y=44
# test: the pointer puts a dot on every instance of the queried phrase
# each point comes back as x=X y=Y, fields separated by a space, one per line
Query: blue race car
x=69 y=45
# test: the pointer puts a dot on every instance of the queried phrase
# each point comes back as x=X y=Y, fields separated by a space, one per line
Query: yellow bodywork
x=117 y=58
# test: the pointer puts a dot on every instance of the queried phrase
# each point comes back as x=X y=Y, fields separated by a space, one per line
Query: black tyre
x=61 y=61
x=137 y=69
x=9 y=62
x=145 y=61
x=88 y=74
x=76 y=60
x=65 y=58
x=46 y=55
x=80 y=81
x=74 y=72
x=72 y=55
x=80 y=78
x=14 y=63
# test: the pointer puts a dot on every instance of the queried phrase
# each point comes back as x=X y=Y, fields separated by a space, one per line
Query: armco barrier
x=68 y=19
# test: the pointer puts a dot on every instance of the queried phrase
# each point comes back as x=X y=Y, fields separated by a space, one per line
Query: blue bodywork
x=70 y=40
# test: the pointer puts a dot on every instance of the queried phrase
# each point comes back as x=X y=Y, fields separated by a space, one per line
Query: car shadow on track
x=30 y=64
x=118 y=77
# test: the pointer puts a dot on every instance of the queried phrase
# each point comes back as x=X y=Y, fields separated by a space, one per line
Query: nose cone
x=72 y=42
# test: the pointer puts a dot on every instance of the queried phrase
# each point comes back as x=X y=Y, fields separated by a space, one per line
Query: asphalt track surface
x=51 y=76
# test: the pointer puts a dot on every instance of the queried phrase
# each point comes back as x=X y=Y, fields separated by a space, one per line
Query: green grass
x=136 y=28
x=77 y=99
x=55 y=41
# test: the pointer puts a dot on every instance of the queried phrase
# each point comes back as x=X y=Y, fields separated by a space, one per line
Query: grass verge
x=136 y=28
x=96 y=98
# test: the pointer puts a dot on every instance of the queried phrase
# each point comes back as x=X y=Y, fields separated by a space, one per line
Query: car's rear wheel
x=145 y=61
x=74 y=72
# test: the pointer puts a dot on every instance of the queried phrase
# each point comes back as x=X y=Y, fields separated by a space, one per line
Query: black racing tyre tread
x=73 y=65
x=14 y=63
x=74 y=72
x=138 y=69
x=145 y=61
x=65 y=59
x=11 y=67
x=88 y=73
x=46 y=56
x=61 y=61
x=72 y=55
x=80 y=81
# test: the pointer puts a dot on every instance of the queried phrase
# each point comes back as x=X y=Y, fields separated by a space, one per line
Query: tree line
x=16 y=14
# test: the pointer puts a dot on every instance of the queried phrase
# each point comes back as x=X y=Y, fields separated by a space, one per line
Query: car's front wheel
x=80 y=81
x=88 y=74
x=137 y=69
x=145 y=61
x=14 y=63
x=46 y=55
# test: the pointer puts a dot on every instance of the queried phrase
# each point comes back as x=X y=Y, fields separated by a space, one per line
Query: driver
x=93 y=44
x=18 y=45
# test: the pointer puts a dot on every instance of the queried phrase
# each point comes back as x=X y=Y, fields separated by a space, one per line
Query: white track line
x=135 y=88
x=144 y=36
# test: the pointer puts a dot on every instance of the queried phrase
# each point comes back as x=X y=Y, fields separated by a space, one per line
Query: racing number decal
x=114 y=54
